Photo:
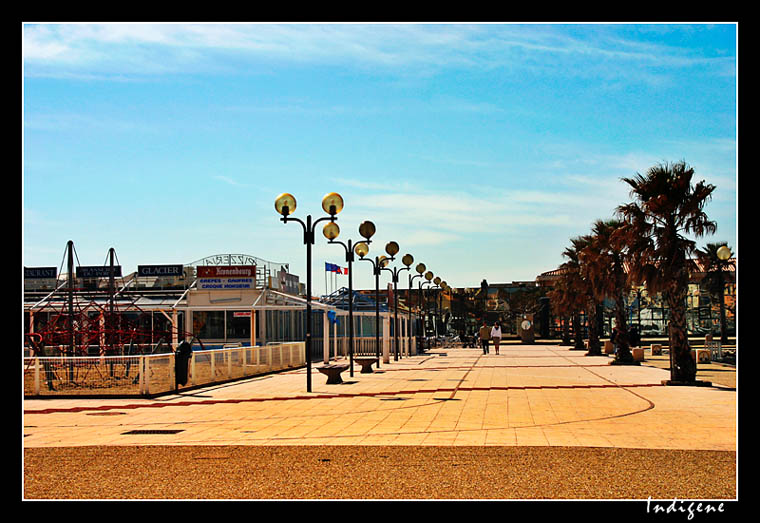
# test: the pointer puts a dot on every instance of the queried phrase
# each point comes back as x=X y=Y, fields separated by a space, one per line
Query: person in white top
x=496 y=336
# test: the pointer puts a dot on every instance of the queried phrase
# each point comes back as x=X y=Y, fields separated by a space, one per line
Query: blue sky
x=480 y=148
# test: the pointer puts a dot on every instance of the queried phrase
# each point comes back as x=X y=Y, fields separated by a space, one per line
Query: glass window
x=239 y=324
x=161 y=328
x=208 y=324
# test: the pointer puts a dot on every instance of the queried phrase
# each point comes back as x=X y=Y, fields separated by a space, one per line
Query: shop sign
x=98 y=271
x=226 y=271
x=241 y=314
x=159 y=270
x=220 y=284
x=288 y=282
x=31 y=273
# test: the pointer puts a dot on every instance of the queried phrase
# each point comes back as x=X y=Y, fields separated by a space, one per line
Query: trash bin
x=181 y=362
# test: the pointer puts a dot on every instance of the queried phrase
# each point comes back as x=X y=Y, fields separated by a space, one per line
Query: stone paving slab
x=529 y=395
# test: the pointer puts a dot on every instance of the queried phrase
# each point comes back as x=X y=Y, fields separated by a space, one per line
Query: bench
x=366 y=363
x=332 y=371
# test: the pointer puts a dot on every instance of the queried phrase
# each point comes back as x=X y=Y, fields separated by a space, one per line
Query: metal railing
x=152 y=374
x=365 y=346
x=715 y=348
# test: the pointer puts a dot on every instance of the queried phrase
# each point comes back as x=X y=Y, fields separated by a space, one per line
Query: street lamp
x=285 y=204
x=407 y=260
x=392 y=249
x=420 y=268
x=724 y=254
x=331 y=231
x=437 y=281
x=428 y=277
x=444 y=287
x=362 y=249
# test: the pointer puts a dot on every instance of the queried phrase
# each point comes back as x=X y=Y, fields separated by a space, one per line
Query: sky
x=481 y=149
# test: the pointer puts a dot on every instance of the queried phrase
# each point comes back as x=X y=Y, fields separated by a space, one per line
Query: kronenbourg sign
x=226 y=277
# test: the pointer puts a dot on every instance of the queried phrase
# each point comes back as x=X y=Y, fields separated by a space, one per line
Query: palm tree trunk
x=577 y=331
x=683 y=368
x=565 y=332
x=623 y=354
x=594 y=347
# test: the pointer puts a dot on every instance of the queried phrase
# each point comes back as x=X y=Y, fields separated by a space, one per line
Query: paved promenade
x=528 y=396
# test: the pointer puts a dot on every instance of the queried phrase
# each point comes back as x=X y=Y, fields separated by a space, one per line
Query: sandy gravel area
x=376 y=472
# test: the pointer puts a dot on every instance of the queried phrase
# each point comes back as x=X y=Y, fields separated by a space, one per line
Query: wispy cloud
x=438 y=216
x=230 y=181
x=136 y=48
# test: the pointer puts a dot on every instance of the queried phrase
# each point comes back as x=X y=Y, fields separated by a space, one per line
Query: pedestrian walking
x=485 y=335
x=496 y=336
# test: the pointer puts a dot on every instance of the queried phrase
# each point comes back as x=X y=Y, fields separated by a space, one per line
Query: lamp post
x=285 y=204
x=444 y=287
x=428 y=277
x=362 y=249
x=437 y=282
x=724 y=254
x=331 y=231
x=420 y=268
x=392 y=249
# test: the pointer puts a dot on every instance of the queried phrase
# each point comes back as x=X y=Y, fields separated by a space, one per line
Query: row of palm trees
x=645 y=244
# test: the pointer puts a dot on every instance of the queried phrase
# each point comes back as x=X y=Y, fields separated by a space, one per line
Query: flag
x=331 y=267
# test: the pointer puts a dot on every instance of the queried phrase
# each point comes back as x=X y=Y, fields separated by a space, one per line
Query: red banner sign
x=226 y=271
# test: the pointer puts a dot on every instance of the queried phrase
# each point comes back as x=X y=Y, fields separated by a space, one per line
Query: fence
x=149 y=375
x=366 y=346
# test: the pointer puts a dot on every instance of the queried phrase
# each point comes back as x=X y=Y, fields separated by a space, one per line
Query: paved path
x=529 y=395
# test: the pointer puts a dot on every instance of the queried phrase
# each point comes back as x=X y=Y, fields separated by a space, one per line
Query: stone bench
x=366 y=362
x=638 y=354
x=656 y=349
x=332 y=371
x=609 y=348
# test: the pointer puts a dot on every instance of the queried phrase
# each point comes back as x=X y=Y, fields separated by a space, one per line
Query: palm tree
x=568 y=292
x=562 y=299
x=587 y=253
x=604 y=258
x=715 y=279
x=581 y=285
x=666 y=208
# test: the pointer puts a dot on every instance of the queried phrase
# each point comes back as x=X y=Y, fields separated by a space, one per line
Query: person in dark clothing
x=485 y=335
x=634 y=338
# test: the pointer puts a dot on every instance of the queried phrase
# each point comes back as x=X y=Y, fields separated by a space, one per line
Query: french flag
x=331 y=267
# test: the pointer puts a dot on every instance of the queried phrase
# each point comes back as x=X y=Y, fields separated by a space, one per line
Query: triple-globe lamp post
x=428 y=281
x=331 y=231
x=362 y=249
x=442 y=286
x=285 y=204
x=420 y=268
x=392 y=249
